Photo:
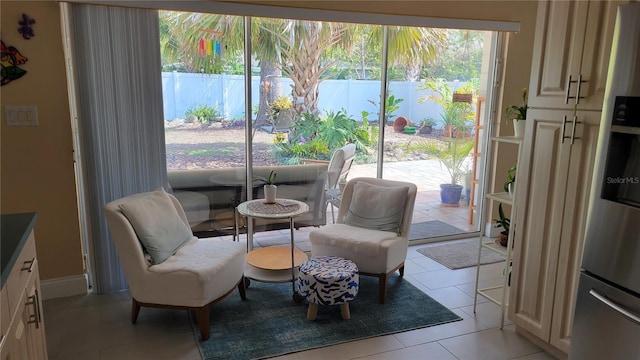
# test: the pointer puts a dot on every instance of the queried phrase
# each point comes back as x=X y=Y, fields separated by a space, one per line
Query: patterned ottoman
x=327 y=280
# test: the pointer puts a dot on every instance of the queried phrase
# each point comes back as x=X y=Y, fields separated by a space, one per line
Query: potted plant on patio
x=452 y=154
x=426 y=126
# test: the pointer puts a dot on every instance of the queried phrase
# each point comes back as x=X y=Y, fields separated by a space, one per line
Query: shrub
x=203 y=113
x=316 y=138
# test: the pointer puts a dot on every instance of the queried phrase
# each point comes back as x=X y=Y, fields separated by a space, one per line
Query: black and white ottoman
x=327 y=280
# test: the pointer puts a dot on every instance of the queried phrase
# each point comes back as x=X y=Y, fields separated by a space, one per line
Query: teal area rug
x=430 y=229
x=270 y=323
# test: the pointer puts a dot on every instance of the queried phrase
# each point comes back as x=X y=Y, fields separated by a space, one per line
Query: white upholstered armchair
x=164 y=264
x=372 y=228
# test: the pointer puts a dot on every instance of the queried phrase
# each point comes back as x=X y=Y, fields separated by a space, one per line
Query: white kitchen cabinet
x=571 y=53
x=557 y=165
x=566 y=92
x=24 y=337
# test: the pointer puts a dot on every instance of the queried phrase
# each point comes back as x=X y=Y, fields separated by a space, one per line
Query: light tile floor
x=98 y=326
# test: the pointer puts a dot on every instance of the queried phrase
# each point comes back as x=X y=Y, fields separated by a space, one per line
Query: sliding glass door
x=315 y=87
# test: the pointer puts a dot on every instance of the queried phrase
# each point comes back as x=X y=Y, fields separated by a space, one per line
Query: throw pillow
x=377 y=207
x=157 y=224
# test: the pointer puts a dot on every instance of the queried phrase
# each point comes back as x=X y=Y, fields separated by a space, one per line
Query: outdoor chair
x=337 y=170
x=372 y=228
x=164 y=264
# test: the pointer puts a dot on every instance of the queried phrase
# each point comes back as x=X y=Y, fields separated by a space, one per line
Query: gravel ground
x=195 y=146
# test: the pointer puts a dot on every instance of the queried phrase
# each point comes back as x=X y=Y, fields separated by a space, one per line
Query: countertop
x=14 y=232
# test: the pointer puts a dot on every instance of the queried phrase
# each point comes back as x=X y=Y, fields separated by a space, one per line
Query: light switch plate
x=21 y=115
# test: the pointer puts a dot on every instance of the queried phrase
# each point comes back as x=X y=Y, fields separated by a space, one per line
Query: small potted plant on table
x=270 y=188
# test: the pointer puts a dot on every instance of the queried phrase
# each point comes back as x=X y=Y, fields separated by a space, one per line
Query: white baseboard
x=63 y=287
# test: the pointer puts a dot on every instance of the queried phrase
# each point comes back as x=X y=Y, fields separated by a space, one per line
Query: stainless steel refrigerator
x=607 y=315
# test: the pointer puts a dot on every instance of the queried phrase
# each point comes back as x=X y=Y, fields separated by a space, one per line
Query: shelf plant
x=509 y=184
x=505 y=223
x=519 y=114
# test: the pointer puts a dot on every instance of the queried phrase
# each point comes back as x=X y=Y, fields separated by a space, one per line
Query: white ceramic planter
x=270 y=194
x=518 y=128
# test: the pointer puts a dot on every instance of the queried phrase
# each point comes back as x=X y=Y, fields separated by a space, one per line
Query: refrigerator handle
x=618 y=308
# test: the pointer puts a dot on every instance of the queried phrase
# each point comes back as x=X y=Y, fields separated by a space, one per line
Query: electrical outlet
x=21 y=115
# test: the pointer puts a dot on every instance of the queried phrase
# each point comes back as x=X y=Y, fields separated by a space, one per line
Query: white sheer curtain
x=116 y=78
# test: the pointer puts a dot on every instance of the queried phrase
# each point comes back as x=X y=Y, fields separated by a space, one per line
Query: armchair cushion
x=204 y=258
x=157 y=224
x=355 y=239
x=377 y=207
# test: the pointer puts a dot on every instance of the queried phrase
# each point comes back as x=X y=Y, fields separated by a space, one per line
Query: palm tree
x=411 y=47
x=188 y=28
x=303 y=45
x=298 y=49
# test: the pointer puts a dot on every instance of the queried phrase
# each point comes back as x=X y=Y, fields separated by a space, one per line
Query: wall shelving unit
x=498 y=294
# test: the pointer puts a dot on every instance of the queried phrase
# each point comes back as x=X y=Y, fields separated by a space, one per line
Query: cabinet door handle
x=28 y=265
x=39 y=310
x=577 y=97
x=35 y=318
x=566 y=97
x=573 y=129
x=580 y=81
x=616 y=307
x=564 y=125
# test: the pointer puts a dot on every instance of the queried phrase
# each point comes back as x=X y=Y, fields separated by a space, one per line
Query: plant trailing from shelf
x=505 y=223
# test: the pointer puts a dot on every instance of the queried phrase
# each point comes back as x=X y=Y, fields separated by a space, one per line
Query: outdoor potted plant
x=519 y=114
x=452 y=153
x=280 y=104
x=426 y=126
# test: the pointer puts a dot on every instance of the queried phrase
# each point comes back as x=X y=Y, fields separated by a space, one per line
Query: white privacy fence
x=184 y=91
